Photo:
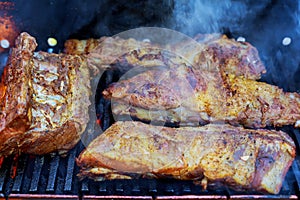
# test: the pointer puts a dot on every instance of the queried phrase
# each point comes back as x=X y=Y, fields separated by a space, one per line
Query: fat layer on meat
x=240 y=158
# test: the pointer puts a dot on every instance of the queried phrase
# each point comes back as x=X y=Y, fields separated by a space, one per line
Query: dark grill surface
x=53 y=176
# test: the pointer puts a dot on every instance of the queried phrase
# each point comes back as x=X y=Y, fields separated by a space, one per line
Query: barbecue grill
x=55 y=177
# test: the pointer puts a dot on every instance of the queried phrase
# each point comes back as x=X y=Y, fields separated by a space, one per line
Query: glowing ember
x=98 y=121
x=14 y=168
x=1 y=161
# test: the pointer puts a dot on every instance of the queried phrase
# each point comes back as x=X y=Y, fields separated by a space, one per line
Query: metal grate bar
x=186 y=189
x=38 y=164
x=20 y=173
x=54 y=164
x=136 y=189
x=3 y=173
x=266 y=197
x=152 y=187
x=84 y=186
x=121 y=197
x=70 y=171
x=119 y=187
x=192 y=197
x=169 y=189
x=297 y=137
x=285 y=187
x=102 y=187
x=296 y=171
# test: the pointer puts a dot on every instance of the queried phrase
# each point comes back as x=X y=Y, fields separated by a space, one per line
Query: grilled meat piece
x=240 y=158
x=104 y=51
x=213 y=52
x=59 y=103
x=217 y=51
x=186 y=96
x=45 y=103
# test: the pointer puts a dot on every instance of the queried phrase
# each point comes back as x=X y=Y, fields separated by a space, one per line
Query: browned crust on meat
x=45 y=100
x=15 y=116
x=241 y=158
x=212 y=52
x=226 y=55
x=77 y=47
x=58 y=122
x=216 y=98
x=61 y=139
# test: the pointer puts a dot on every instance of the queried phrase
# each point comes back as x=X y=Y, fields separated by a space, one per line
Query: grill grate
x=53 y=176
x=38 y=164
x=20 y=174
x=70 y=172
x=54 y=163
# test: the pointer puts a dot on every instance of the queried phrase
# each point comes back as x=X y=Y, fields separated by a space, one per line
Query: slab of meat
x=101 y=53
x=216 y=51
x=183 y=95
x=45 y=99
x=240 y=158
x=213 y=52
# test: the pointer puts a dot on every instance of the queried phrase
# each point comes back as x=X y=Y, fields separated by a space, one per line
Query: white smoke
x=273 y=27
x=208 y=16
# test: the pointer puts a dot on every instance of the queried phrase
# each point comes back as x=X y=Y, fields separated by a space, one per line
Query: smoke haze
x=263 y=23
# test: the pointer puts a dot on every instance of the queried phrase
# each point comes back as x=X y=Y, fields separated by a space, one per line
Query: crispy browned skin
x=15 y=117
x=218 y=52
x=185 y=95
x=49 y=103
x=240 y=158
x=60 y=100
x=212 y=52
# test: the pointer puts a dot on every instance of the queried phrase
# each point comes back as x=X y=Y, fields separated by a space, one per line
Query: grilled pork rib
x=44 y=107
x=212 y=52
x=240 y=158
x=181 y=94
